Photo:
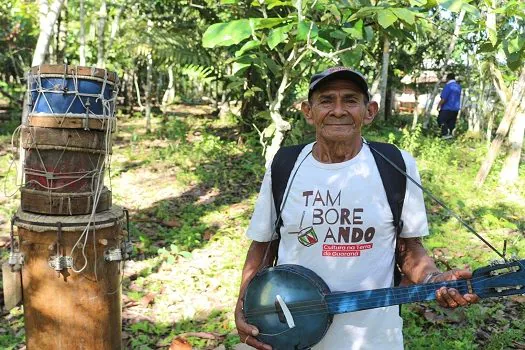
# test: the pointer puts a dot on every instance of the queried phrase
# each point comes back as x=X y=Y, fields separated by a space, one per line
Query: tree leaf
x=247 y=47
x=486 y=47
x=473 y=10
x=353 y=57
x=278 y=35
x=274 y=68
x=276 y=3
x=493 y=36
x=515 y=44
x=356 y=31
x=452 y=5
x=365 y=12
x=323 y=44
x=303 y=28
x=404 y=14
x=227 y=34
x=418 y=2
x=386 y=18
x=263 y=23
x=369 y=33
x=338 y=34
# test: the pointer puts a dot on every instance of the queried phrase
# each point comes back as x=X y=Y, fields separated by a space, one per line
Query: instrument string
x=323 y=309
x=399 y=295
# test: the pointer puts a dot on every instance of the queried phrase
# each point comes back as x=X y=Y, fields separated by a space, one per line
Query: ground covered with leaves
x=190 y=186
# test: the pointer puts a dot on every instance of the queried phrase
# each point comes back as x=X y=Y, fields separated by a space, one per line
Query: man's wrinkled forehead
x=337 y=87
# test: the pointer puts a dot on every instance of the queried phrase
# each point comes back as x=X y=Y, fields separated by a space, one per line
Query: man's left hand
x=451 y=297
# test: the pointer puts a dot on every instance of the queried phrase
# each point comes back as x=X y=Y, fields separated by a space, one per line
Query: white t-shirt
x=337 y=222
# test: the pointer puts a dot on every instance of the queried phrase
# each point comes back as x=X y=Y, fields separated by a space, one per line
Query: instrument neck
x=368 y=299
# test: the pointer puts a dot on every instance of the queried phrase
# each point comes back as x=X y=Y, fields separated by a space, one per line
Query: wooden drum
x=64 y=309
x=67 y=140
x=75 y=97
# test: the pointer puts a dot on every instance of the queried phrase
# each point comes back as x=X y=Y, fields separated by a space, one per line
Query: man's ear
x=307 y=110
x=372 y=109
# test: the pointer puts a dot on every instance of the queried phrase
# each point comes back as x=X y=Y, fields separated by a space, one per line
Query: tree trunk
x=102 y=15
x=82 y=37
x=137 y=88
x=490 y=125
x=384 y=79
x=510 y=171
x=430 y=102
x=147 y=94
x=64 y=34
x=375 y=85
x=281 y=125
x=475 y=115
x=115 y=26
x=48 y=17
x=128 y=83
x=510 y=113
x=169 y=94
x=415 y=112
x=149 y=71
x=56 y=49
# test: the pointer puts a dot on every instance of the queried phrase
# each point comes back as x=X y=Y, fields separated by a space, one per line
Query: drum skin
x=294 y=284
x=58 y=98
x=68 y=310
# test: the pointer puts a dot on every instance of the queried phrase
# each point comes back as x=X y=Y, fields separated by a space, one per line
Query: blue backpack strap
x=394 y=182
x=282 y=166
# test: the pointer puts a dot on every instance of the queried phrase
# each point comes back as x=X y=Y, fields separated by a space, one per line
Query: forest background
x=209 y=91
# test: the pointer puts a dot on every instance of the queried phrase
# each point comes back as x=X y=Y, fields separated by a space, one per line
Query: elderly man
x=337 y=174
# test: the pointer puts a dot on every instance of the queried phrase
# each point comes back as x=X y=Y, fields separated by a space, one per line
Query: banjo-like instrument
x=293 y=307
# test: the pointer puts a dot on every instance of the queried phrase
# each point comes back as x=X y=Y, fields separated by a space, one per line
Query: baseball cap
x=338 y=72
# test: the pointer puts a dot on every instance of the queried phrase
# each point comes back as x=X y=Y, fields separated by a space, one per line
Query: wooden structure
x=64 y=309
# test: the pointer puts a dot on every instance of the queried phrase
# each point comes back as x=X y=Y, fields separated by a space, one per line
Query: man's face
x=338 y=109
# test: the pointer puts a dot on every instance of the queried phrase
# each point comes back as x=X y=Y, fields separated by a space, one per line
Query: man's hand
x=450 y=297
x=247 y=332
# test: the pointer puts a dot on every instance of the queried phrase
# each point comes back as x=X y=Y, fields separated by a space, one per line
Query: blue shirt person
x=449 y=106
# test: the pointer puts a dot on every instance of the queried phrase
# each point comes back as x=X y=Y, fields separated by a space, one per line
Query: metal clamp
x=113 y=254
x=59 y=263
x=16 y=258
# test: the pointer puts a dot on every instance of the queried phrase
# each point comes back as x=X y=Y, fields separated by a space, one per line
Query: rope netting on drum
x=51 y=180
x=36 y=85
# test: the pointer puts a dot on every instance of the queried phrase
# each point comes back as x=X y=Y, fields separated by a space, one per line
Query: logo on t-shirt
x=342 y=230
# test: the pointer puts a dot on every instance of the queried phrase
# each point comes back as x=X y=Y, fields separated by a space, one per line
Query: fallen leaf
x=180 y=344
x=207 y=235
x=5 y=242
x=204 y=335
x=172 y=223
x=133 y=317
x=148 y=299
x=518 y=298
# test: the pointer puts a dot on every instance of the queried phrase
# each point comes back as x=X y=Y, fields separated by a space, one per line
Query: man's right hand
x=247 y=332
